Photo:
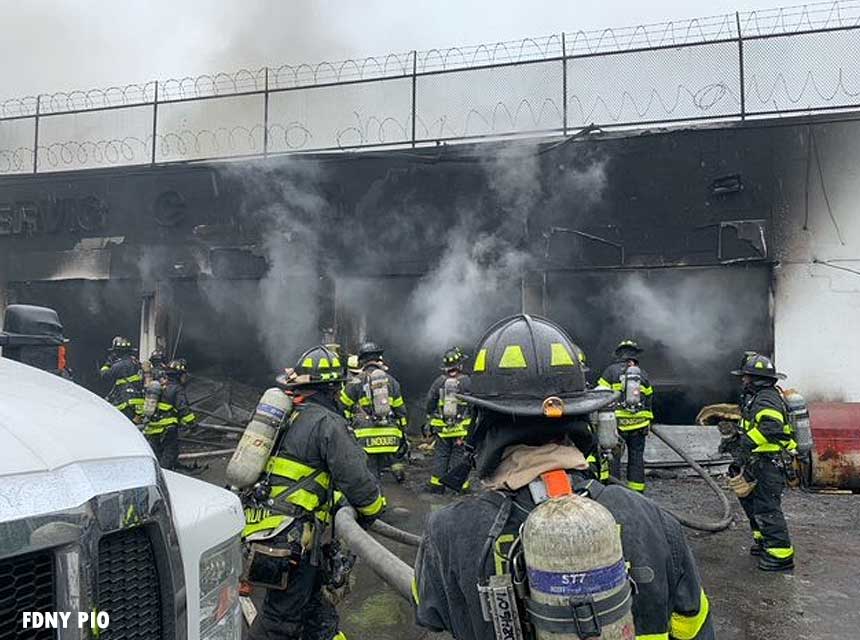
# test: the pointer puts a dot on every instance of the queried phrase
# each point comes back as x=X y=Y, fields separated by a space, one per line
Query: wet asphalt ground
x=819 y=600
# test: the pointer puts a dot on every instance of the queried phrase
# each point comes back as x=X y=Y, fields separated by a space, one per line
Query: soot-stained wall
x=668 y=237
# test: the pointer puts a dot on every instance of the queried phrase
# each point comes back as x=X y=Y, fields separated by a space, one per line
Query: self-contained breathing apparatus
x=270 y=556
x=567 y=576
x=375 y=424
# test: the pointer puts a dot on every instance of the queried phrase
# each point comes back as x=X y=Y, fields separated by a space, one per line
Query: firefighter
x=634 y=418
x=762 y=461
x=531 y=404
x=122 y=370
x=162 y=430
x=448 y=417
x=153 y=369
x=314 y=460
x=374 y=405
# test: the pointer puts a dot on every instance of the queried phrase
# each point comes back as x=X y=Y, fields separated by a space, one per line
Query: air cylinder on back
x=572 y=550
x=255 y=447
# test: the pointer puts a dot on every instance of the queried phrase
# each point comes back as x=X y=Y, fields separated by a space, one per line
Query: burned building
x=700 y=242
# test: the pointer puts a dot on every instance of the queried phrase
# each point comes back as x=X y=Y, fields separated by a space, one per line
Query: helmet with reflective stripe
x=369 y=351
x=529 y=366
x=628 y=349
x=157 y=357
x=760 y=366
x=176 y=368
x=318 y=365
x=454 y=357
x=121 y=344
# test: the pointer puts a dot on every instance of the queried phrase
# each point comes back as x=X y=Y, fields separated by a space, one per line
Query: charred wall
x=668 y=236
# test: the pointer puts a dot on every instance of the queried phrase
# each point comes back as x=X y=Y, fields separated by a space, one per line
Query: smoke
x=473 y=281
x=694 y=317
x=489 y=250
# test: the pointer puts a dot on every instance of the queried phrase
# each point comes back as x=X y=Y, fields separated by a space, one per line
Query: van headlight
x=220 y=613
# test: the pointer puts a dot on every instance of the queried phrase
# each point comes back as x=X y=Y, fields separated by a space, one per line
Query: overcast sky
x=59 y=45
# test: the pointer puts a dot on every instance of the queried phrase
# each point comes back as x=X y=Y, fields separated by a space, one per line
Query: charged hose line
x=383 y=562
x=393 y=533
x=686 y=520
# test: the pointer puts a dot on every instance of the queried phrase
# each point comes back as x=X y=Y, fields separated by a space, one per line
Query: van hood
x=47 y=422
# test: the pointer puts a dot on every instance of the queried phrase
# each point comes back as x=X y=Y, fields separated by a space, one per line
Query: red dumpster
x=836 y=435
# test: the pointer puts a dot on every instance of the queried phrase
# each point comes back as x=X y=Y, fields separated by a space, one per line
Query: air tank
x=607 y=429
x=255 y=446
x=151 y=396
x=572 y=550
x=798 y=417
x=632 y=386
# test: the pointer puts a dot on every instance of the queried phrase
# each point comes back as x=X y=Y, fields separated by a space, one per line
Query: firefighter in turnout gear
x=153 y=369
x=762 y=461
x=122 y=370
x=531 y=427
x=373 y=403
x=448 y=417
x=172 y=411
x=634 y=409
x=313 y=460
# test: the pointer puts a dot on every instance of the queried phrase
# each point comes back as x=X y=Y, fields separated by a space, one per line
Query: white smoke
x=480 y=274
x=697 y=319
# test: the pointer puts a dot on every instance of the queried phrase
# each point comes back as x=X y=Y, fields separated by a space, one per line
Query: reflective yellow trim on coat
x=374 y=507
x=684 y=627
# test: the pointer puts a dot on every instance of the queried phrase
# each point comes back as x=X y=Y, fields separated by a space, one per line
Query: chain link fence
x=795 y=60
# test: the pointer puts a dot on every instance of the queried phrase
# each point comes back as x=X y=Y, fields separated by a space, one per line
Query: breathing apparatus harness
x=505 y=598
x=268 y=553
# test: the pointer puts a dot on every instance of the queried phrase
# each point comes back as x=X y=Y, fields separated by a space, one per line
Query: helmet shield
x=527 y=365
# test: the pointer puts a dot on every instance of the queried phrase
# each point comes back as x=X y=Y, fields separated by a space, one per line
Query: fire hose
x=383 y=562
x=686 y=520
x=399 y=575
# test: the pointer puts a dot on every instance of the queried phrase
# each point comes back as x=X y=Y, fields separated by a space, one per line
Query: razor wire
x=791 y=57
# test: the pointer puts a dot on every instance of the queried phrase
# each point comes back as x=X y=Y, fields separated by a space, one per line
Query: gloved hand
x=365 y=521
x=426 y=430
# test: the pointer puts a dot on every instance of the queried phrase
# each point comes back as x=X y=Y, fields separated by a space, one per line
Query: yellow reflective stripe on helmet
x=559 y=355
x=513 y=358
x=480 y=361
x=345 y=399
x=308 y=363
x=687 y=627
x=397 y=402
x=371 y=432
x=780 y=552
x=324 y=363
x=769 y=413
x=374 y=507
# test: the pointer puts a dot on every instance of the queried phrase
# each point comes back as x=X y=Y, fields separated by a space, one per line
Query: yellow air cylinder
x=256 y=444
